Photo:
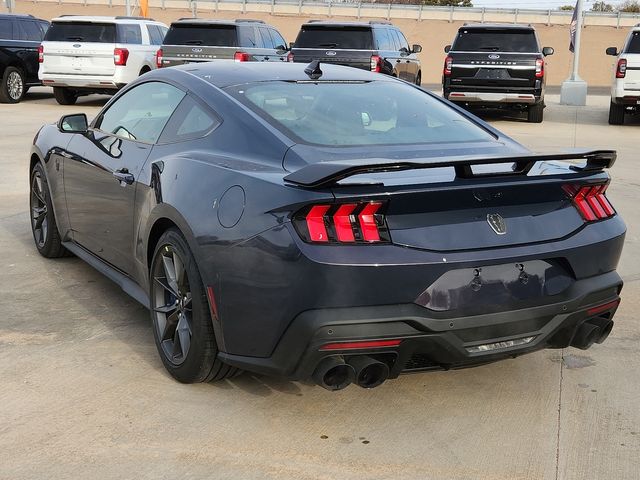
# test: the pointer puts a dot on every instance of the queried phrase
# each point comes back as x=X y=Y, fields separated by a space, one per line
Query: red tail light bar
x=242 y=57
x=120 y=56
x=376 y=63
x=360 y=344
x=539 y=68
x=448 y=65
x=159 y=58
x=346 y=223
x=621 y=69
x=590 y=201
x=40 y=54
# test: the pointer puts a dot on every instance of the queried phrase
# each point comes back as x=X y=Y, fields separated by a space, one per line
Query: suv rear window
x=634 y=43
x=88 y=32
x=485 y=40
x=212 y=35
x=353 y=38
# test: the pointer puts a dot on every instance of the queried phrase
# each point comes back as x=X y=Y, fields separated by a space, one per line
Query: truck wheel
x=535 y=113
x=65 y=96
x=12 y=88
x=616 y=114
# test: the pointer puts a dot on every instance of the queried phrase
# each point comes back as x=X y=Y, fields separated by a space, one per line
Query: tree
x=629 y=6
x=602 y=6
x=566 y=8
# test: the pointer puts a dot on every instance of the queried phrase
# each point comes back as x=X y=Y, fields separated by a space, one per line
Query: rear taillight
x=159 y=58
x=621 y=69
x=539 y=68
x=346 y=223
x=241 y=57
x=40 y=54
x=290 y=57
x=120 y=56
x=448 y=64
x=360 y=344
x=590 y=201
x=376 y=63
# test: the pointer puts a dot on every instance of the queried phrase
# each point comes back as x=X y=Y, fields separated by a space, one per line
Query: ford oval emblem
x=196 y=50
x=494 y=57
x=331 y=53
x=76 y=45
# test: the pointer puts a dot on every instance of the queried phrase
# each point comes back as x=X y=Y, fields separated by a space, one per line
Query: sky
x=544 y=4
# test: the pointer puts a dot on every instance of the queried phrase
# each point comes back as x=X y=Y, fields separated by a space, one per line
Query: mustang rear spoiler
x=323 y=174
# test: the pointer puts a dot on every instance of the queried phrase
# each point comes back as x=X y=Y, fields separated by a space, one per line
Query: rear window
x=634 y=43
x=213 y=35
x=351 y=38
x=507 y=40
x=357 y=113
x=87 y=32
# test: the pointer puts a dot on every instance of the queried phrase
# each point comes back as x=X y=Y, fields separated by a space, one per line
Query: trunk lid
x=340 y=44
x=493 y=69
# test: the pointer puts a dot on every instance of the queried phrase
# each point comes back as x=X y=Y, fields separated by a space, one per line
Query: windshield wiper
x=193 y=42
x=328 y=45
x=493 y=48
x=76 y=39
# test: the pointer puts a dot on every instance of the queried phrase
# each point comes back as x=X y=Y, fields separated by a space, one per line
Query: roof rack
x=187 y=18
x=248 y=20
x=125 y=17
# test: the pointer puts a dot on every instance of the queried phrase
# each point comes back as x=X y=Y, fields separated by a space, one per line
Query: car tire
x=180 y=314
x=616 y=114
x=12 y=88
x=419 y=79
x=535 y=113
x=65 y=96
x=43 y=220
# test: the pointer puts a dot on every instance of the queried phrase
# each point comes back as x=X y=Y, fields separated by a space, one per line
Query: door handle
x=266 y=58
x=397 y=61
x=124 y=177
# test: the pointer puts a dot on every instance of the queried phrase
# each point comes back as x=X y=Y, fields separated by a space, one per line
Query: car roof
x=18 y=15
x=224 y=74
x=102 y=19
x=501 y=26
x=210 y=21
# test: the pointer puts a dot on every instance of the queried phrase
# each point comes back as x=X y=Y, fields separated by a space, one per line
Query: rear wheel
x=65 y=96
x=616 y=114
x=180 y=314
x=43 y=221
x=12 y=88
x=535 y=113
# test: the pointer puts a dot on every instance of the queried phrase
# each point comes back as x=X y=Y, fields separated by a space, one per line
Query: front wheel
x=65 y=96
x=180 y=314
x=12 y=88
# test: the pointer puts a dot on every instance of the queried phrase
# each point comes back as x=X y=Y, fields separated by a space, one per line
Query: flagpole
x=574 y=89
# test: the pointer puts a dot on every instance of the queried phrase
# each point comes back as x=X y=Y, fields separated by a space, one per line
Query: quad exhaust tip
x=594 y=330
x=334 y=373
x=370 y=373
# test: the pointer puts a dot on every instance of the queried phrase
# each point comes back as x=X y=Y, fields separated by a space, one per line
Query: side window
x=44 y=26
x=384 y=41
x=403 y=41
x=6 y=29
x=155 y=34
x=190 y=121
x=267 y=42
x=395 y=40
x=142 y=113
x=130 y=34
x=163 y=32
x=29 y=31
x=277 y=38
x=247 y=36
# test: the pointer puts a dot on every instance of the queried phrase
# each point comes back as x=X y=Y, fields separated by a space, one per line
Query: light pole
x=574 y=89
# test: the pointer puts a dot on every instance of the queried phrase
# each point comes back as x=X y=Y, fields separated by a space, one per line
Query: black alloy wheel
x=180 y=313
x=43 y=221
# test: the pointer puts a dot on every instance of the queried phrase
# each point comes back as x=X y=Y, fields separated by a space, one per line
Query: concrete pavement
x=83 y=393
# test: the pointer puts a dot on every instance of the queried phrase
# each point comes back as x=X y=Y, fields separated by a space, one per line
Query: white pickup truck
x=625 y=90
x=82 y=55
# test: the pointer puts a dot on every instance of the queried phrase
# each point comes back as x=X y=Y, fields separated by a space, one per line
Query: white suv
x=82 y=55
x=625 y=91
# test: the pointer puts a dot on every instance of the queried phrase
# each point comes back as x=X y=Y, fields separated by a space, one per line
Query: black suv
x=377 y=46
x=192 y=40
x=497 y=66
x=20 y=37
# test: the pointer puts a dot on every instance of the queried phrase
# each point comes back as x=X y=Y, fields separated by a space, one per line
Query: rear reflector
x=347 y=223
x=590 y=201
x=603 y=308
x=360 y=345
x=212 y=303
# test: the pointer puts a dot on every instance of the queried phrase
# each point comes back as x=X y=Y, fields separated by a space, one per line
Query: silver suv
x=625 y=89
x=82 y=55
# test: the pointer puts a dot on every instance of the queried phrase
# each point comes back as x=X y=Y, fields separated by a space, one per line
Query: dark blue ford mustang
x=327 y=223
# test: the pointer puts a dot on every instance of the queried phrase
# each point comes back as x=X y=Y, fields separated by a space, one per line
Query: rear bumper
x=97 y=82
x=493 y=97
x=433 y=340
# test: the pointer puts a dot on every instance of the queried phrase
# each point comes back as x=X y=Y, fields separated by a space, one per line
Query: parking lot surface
x=83 y=393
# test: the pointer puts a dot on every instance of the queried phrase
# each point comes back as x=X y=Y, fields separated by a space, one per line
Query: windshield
x=335 y=37
x=634 y=43
x=212 y=35
x=87 y=32
x=507 y=40
x=357 y=113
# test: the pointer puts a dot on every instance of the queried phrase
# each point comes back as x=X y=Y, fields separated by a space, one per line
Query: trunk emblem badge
x=330 y=53
x=497 y=223
x=76 y=45
x=494 y=57
x=196 y=50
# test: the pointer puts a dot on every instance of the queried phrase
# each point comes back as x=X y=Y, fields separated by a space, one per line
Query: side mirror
x=75 y=123
x=447 y=49
x=281 y=48
x=613 y=51
x=291 y=45
x=546 y=51
x=416 y=48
